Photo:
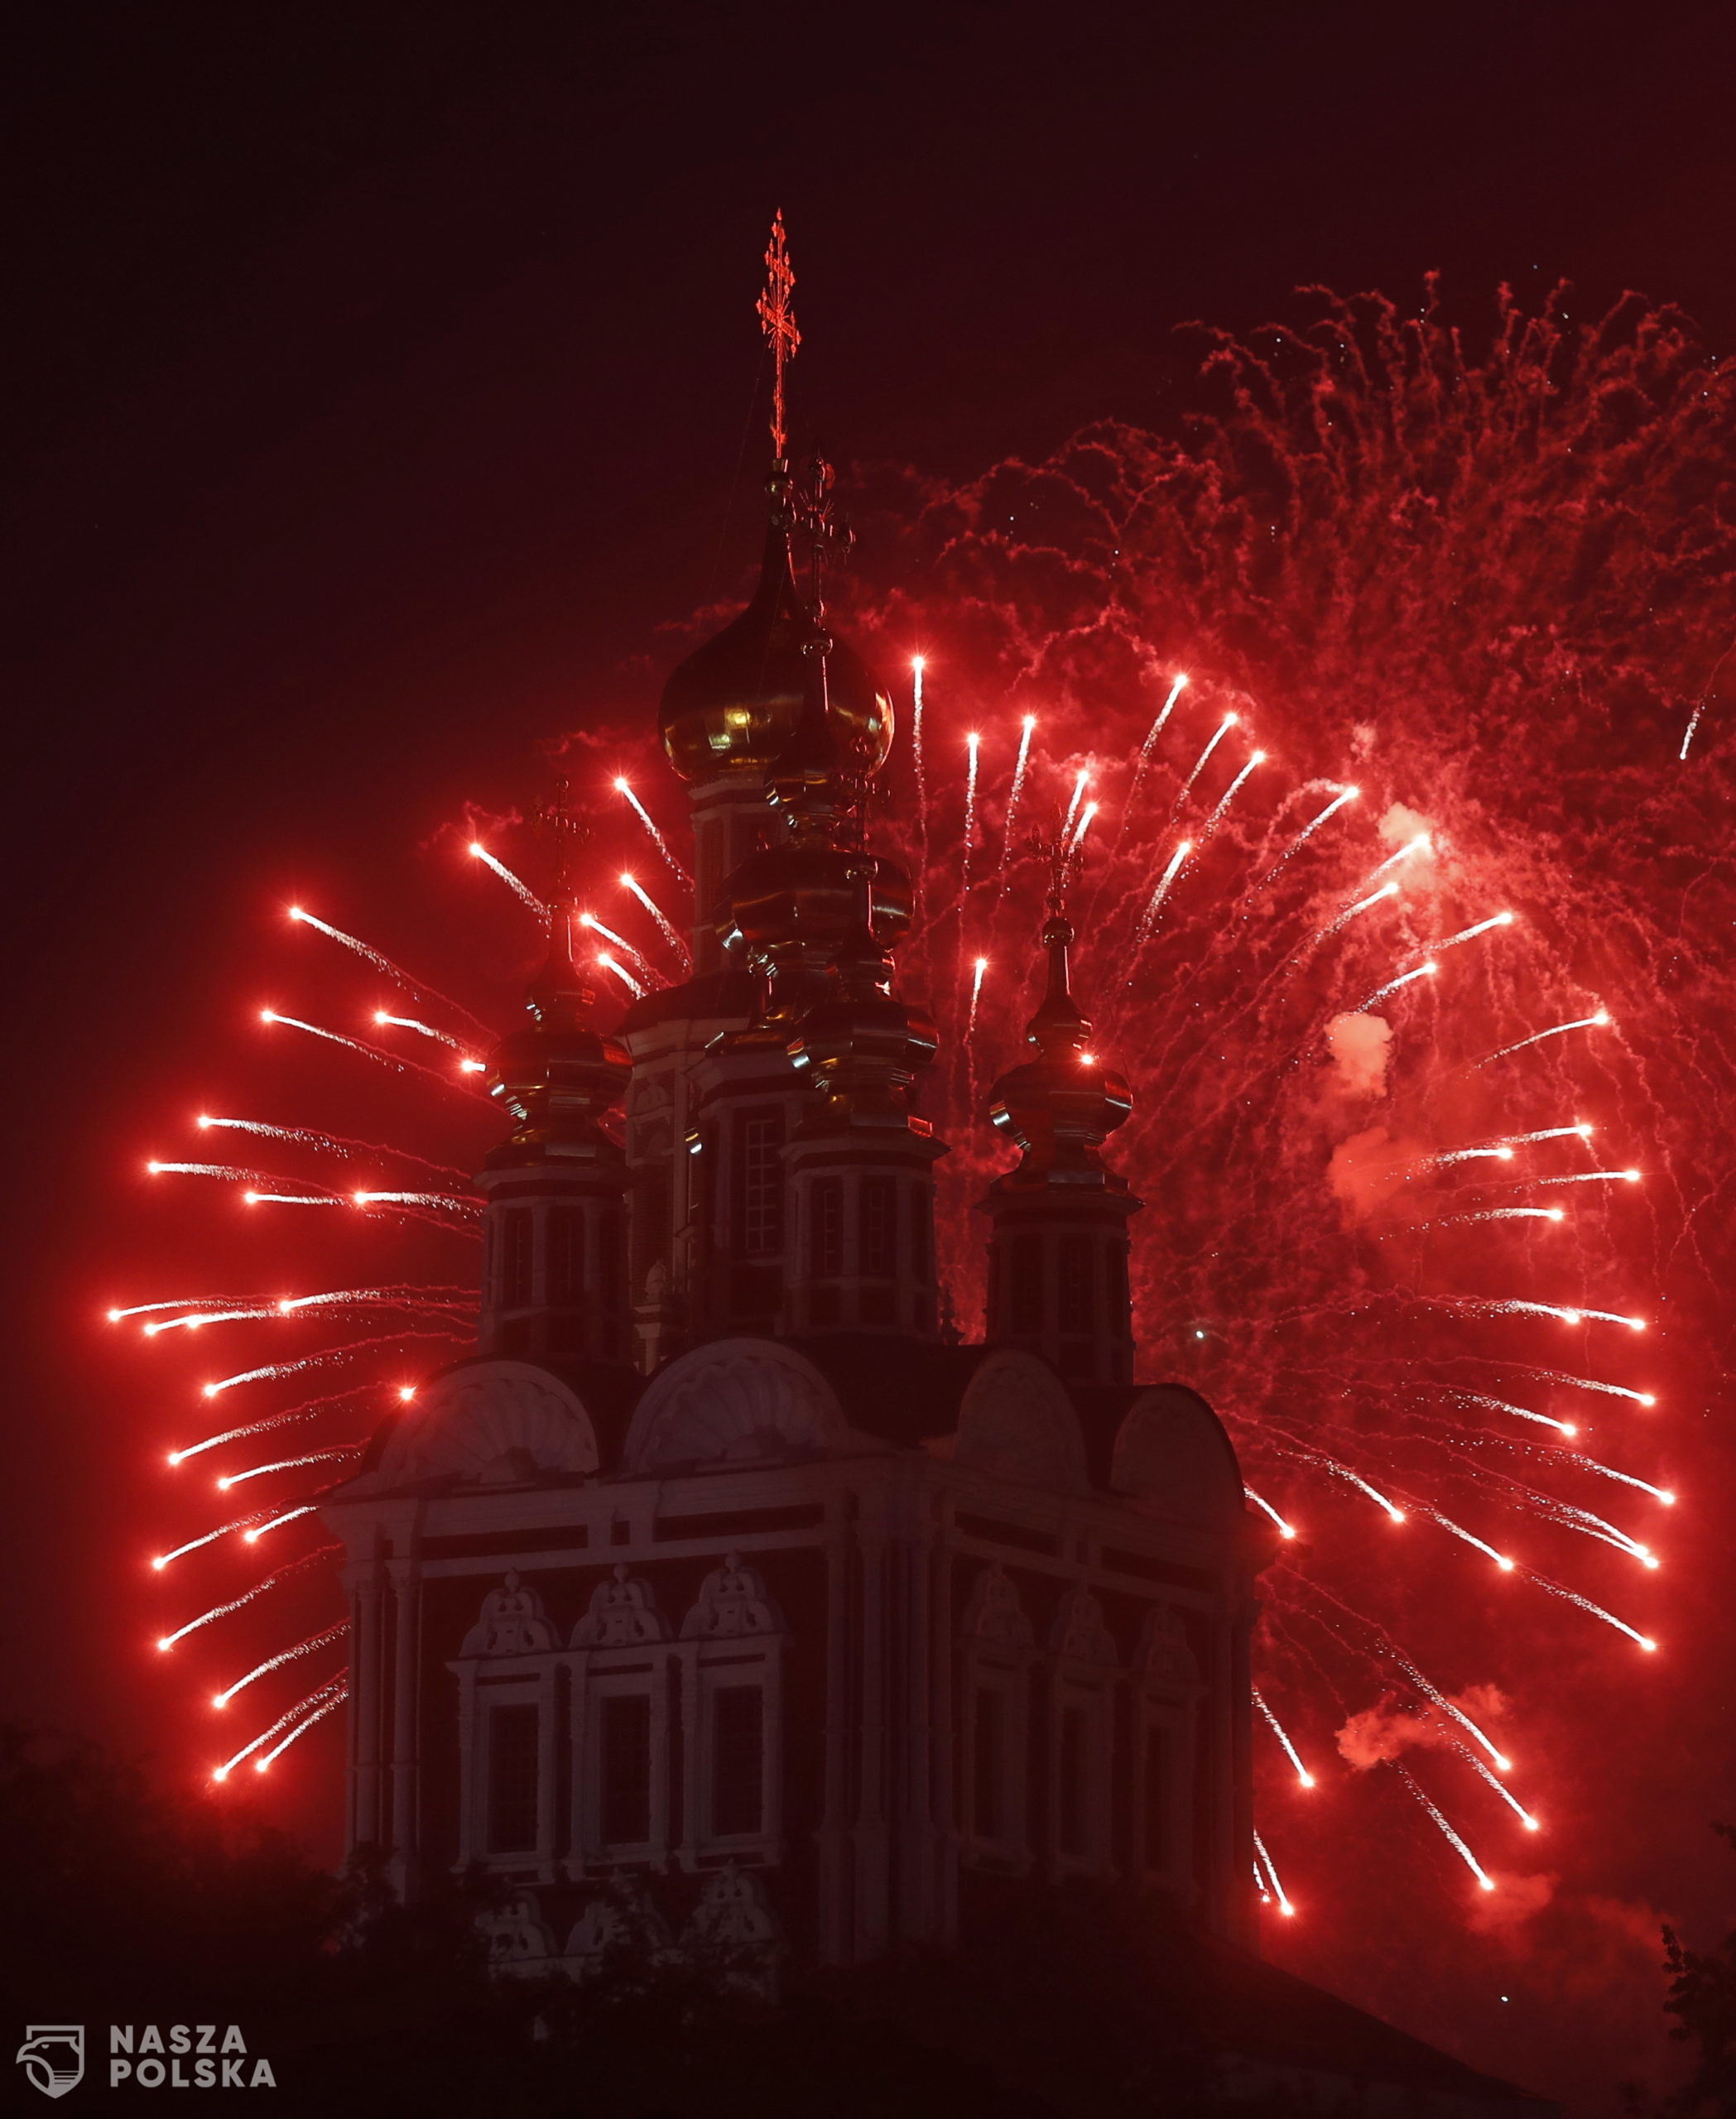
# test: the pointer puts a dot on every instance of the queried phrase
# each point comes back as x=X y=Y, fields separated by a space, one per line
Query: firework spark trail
x=294 y=1714
x=1490 y=1305
x=1284 y=1530
x=1506 y=1565
x=1394 y=1513
x=1271 y=1877
x=1547 y=1133
x=1340 y=921
x=1071 y=849
x=326 y=1358
x=386 y=1060
x=1255 y=758
x=1344 y=795
x=1420 y=843
x=1436 y=1697
x=623 y=973
x=590 y=921
x=918 y=664
x=230 y=1173
x=1594 y=1527
x=1498 y=1214
x=1302 y=1774
x=1590 y=1177
x=1079 y=784
x=194 y=1320
x=440 y=1202
x=180 y=1302
x=671 y=938
x=976 y=994
x=1393 y=985
x=250 y=1595
x=347 y=1150
x=329 y=1706
x=657 y=838
x=1019 y=764
x=309 y=1409
x=417 y=989
x=520 y=890
x=293 y=1199
x=1499 y=1153
x=289 y=1515
x=1587 y=1383
x=972 y=743
x=1600 y=1020
x=1500 y=1787
x=1597 y=1610
x=383 y=1020
x=161 y=1560
x=311 y=1645
x=1459 y=1847
x=1608 y=1472
x=291 y=1463
x=1148 y=918
x=1229 y=721
x=1469 y=934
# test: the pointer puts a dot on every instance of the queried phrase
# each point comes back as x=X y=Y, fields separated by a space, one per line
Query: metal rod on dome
x=778 y=320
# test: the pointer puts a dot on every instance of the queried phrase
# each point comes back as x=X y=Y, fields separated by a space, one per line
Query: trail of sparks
x=1019 y=764
x=1085 y=816
x=1600 y=1020
x=1393 y=985
x=917 y=666
x=1500 y=1787
x=289 y=1464
x=440 y=1202
x=301 y=1707
x=207 y=1538
x=520 y=890
x=1608 y=1472
x=657 y=838
x=972 y=744
x=1469 y=934
x=383 y=1020
x=593 y=925
x=335 y=1037
x=1229 y=721
x=1597 y=1610
x=307 y=1411
x=1421 y=843
x=417 y=989
x=289 y=1515
x=1498 y=1214
x=1590 y=1177
x=311 y=1646
x=298 y=1566
x=1284 y=1530
x=335 y=1144
x=671 y=937
x=976 y=994
x=1285 y=1906
x=1302 y=1774
x=1500 y=1559
x=1434 y=1694
x=1343 y=919
x=326 y=1706
x=1394 y=1513
x=1255 y=759
x=1501 y=1406
x=1344 y=795
x=1149 y=920
x=1458 y=1845
x=1490 y=1305
x=1079 y=784
x=623 y=973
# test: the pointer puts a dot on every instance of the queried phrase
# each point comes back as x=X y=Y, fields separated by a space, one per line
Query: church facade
x=722 y=1590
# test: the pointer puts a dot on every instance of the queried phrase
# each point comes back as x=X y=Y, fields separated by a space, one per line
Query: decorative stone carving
x=731 y=1602
x=1172 y=1455
x=466 y=1422
x=625 y=1919
x=624 y=1614
x=1165 y=1657
x=513 y=1622
x=1017 y=1422
x=731 y=1915
x=994 y=1612
x=734 y=1401
x=1078 y=1634
x=518 y=1940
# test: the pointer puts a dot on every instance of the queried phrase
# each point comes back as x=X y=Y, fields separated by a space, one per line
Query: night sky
x=378 y=386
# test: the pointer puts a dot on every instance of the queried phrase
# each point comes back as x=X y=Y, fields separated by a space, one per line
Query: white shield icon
x=53 y=2056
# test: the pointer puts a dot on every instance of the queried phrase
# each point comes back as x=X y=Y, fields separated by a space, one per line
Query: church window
x=737 y=1758
x=625 y=1750
x=879 y=1227
x=1072 y=1783
x=566 y=1257
x=1159 y=1781
x=1026 y=1276
x=514 y=1741
x=1077 y=1284
x=762 y=1229
x=988 y=1765
x=827 y=1235
x=515 y=1271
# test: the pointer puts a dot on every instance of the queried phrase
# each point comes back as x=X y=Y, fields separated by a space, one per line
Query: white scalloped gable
x=734 y=1401
x=471 y=1419
x=1017 y=1422
x=1173 y=1458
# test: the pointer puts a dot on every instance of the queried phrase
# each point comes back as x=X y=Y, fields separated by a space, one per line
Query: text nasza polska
x=216 y=2064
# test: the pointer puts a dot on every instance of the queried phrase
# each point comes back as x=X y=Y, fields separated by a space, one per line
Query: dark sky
x=379 y=375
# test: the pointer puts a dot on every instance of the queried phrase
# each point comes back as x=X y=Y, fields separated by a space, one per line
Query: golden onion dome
x=734 y=704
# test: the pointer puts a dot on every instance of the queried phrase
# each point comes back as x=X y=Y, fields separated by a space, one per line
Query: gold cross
x=777 y=320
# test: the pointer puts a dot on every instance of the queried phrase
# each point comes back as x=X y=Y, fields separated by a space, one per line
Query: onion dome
x=563 y=1076
x=863 y=1048
x=732 y=707
x=1061 y=1107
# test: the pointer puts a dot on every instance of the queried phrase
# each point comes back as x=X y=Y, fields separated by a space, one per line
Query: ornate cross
x=777 y=320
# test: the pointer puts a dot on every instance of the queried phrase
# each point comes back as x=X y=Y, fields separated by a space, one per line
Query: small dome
x=732 y=706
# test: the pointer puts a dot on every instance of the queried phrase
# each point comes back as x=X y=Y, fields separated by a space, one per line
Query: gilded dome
x=732 y=706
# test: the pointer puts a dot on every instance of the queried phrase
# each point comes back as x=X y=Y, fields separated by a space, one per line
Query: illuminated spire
x=778 y=320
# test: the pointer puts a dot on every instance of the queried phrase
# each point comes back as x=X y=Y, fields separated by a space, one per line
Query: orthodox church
x=722 y=1593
